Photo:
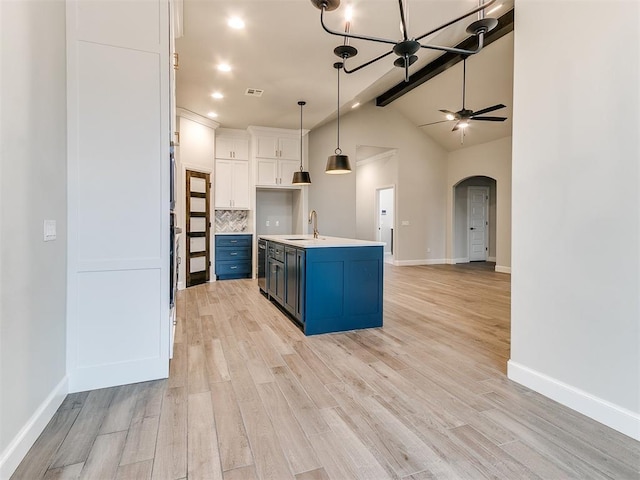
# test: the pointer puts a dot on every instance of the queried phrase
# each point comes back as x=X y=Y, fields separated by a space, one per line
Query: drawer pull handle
x=233 y=267
x=233 y=241
x=233 y=253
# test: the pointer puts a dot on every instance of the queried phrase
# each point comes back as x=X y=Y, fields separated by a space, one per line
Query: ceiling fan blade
x=433 y=123
x=456 y=127
x=488 y=109
x=448 y=112
x=489 y=119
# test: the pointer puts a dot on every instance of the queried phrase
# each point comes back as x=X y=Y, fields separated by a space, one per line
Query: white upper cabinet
x=232 y=148
x=231 y=185
x=277 y=155
x=277 y=147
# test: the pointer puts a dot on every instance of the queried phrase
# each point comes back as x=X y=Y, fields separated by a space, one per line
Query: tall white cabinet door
x=224 y=184
x=241 y=184
x=118 y=137
x=286 y=169
x=289 y=148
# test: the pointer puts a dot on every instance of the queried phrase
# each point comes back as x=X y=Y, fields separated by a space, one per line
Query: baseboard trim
x=413 y=263
x=491 y=259
x=621 y=419
x=454 y=261
x=180 y=286
x=29 y=433
x=501 y=269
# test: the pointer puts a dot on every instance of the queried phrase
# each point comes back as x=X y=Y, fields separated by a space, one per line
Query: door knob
x=471 y=228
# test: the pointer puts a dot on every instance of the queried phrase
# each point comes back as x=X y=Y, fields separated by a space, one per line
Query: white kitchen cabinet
x=232 y=184
x=278 y=172
x=231 y=148
x=287 y=148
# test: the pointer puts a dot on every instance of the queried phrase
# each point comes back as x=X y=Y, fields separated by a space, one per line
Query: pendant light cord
x=464 y=80
x=338 y=151
x=301 y=104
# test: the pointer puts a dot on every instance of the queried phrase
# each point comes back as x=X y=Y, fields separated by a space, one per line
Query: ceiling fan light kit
x=464 y=116
x=407 y=48
x=301 y=177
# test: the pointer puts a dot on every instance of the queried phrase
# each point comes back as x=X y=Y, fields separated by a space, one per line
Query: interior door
x=197 y=226
x=478 y=221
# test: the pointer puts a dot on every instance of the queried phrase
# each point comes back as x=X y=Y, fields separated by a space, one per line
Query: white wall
x=276 y=207
x=491 y=159
x=421 y=181
x=33 y=188
x=575 y=318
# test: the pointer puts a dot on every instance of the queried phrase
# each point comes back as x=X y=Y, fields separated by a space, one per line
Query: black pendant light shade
x=301 y=177
x=338 y=164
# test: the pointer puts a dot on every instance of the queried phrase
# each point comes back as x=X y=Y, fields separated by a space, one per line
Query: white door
x=385 y=217
x=478 y=221
x=289 y=148
x=223 y=193
x=267 y=171
x=241 y=184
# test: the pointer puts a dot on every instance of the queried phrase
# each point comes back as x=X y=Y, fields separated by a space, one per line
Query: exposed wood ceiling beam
x=444 y=61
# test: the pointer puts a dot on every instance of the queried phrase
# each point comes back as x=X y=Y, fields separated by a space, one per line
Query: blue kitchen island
x=325 y=284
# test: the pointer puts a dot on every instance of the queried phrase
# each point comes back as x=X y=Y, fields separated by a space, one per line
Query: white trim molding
x=11 y=457
x=607 y=413
x=413 y=263
x=454 y=261
x=503 y=269
x=194 y=117
x=491 y=259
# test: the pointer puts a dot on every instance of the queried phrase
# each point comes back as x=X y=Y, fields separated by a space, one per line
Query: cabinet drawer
x=232 y=253
x=226 y=268
x=233 y=240
x=276 y=251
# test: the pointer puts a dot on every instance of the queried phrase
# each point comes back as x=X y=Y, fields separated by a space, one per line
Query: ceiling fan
x=464 y=115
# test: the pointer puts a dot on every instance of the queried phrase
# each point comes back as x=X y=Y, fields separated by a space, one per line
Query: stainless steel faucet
x=313 y=217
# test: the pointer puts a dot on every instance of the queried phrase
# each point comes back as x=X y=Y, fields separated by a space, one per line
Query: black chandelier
x=406 y=48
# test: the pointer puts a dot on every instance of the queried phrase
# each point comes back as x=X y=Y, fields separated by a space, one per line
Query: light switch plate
x=405 y=223
x=49 y=230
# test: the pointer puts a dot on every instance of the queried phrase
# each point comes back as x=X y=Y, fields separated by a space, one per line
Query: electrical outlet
x=277 y=223
x=268 y=223
x=405 y=223
x=428 y=250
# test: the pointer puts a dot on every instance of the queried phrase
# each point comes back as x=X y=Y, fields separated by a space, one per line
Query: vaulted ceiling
x=284 y=51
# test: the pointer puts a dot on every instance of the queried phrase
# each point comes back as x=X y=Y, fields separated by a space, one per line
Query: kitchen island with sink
x=325 y=284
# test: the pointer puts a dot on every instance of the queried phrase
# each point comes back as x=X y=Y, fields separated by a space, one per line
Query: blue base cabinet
x=331 y=289
x=343 y=289
x=233 y=256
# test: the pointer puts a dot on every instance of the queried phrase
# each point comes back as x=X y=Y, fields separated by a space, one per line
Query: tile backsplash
x=231 y=221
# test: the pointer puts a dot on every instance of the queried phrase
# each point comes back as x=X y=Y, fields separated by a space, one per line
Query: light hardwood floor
x=250 y=397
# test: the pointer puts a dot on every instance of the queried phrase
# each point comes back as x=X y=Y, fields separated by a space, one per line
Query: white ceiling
x=284 y=51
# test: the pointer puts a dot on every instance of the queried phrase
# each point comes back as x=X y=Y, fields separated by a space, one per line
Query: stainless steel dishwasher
x=262 y=265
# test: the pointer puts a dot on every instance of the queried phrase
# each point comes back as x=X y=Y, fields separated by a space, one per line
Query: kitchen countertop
x=307 y=241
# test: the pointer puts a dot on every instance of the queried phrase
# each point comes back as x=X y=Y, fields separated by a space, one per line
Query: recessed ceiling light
x=236 y=22
x=224 y=67
x=217 y=95
x=355 y=105
x=494 y=9
x=212 y=114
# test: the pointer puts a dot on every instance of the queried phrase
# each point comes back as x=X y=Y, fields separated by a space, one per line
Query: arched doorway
x=475 y=219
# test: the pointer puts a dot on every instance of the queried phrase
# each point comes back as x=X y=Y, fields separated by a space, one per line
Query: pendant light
x=301 y=177
x=338 y=163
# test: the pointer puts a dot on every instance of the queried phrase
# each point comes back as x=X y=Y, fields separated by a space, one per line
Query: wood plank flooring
x=250 y=397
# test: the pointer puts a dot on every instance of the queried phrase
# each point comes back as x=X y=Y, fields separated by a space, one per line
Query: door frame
x=182 y=212
x=487 y=191
x=377 y=221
